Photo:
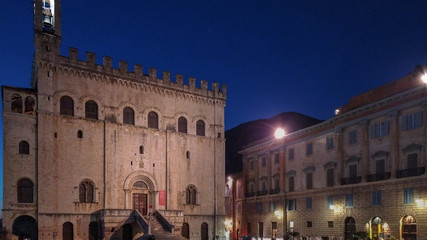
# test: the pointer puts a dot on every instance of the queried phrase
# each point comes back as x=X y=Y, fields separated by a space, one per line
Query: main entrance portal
x=140 y=202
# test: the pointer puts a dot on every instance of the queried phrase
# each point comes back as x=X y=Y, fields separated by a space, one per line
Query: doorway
x=140 y=202
x=350 y=228
x=409 y=228
x=377 y=230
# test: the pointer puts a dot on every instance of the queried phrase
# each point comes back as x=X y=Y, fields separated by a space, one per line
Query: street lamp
x=279 y=133
x=424 y=78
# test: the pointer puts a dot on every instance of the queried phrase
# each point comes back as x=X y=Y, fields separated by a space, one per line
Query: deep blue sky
x=275 y=56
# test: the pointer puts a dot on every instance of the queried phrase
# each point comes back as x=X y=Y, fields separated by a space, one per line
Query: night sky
x=274 y=56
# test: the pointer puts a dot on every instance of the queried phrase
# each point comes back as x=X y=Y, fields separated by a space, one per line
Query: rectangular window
x=330 y=224
x=349 y=200
x=291 y=184
x=277 y=184
x=352 y=137
x=252 y=165
x=412 y=121
x=273 y=206
x=329 y=143
x=276 y=158
x=259 y=207
x=408 y=195
x=308 y=203
x=330 y=201
x=379 y=129
x=309 y=149
x=309 y=224
x=380 y=166
x=291 y=154
x=376 y=198
x=412 y=161
x=330 y=177
x=353 y=171
x=263 y=162
x=291 y=205
x=309 y=180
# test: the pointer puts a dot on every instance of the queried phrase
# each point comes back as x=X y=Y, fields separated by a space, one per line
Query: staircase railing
x=163 y=222
x=141 y=222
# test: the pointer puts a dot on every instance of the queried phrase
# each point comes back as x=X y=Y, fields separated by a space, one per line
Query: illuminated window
x=408 y=195
x=349 y=200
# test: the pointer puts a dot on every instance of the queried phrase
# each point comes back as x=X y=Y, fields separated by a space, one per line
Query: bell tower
x=47 y=33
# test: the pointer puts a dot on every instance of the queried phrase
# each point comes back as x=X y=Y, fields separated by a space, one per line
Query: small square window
x=309 y=224
x=330 y=224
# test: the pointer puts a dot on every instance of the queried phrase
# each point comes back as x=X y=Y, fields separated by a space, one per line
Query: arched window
x=86 y=191
x=200 y=128
x=91 y=110
x=29 y=105
x=190 y=195
x=67 y=231
x=153 y=120
x=185 y=231
x=128 y=116
x=79 y=134
x=66 y=106
x=24 y=147
x=141 y=149
x=25 y=191
x=140 y=185
x=16 y=105
x=182 y=125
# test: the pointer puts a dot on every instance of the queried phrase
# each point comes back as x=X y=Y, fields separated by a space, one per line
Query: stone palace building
x=361 y=172
x=90 y=151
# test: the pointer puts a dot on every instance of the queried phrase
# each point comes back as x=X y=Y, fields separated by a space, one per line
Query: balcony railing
x=250 y=194
x=410 y=172
x=262 y=193
x=378 y=177
x=351 y=180
x=274 y=191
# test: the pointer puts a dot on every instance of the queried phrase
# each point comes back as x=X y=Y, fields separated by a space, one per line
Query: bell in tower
x=47 y=11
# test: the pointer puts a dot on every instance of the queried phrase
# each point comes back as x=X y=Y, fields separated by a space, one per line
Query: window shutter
x=419 y=119
x=372 y=131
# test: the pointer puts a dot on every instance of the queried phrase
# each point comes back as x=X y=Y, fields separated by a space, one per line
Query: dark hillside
x=245 y=133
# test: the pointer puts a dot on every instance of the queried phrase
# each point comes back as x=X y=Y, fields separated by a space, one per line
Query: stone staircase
x=158 y=231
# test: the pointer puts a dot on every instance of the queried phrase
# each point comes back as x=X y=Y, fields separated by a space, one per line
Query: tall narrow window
x=66 y=106
x=308 y=203
x=380 y=166
x=309 y=149
x=291 y=184
x=330 y=143
x=291 y=154
x=412 y=161
x=86 y=191
x=353 y=170
x=182 y=125
x=91 y=109
x=376 y=198
x=25 y=191
x=330 y=177
x=408 y=195
x=16 y=105
x=349 y=200
x=24 y=147
x=352 y=137
x=309 y=180
x=29 y=105
x=190 y=195
x=128 y=116
x=153 y=120
x=330 y=201
x=200 y=128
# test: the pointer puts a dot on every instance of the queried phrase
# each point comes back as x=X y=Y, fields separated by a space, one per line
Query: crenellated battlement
x=137 y=75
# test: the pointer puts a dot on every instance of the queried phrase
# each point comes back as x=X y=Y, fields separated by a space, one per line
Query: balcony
x=274 y=191
x=378 y=177
x=262 y=193
x=351 y=180
x=250 y=194
x=410 y=172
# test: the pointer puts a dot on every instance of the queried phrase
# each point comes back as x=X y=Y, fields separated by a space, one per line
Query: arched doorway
x=204 y=233
x=185 y=232
x=350 y=228
x=409 y=228
x=140 y=193
x=93 y=231
x=67 y=231
x=25 y=227
x=377 y=230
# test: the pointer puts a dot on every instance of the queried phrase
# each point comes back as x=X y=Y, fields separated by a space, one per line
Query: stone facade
x=97 y=143
x=361 y=171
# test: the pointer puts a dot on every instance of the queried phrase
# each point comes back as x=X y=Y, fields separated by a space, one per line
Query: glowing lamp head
x=424 y=78
x=279 y=133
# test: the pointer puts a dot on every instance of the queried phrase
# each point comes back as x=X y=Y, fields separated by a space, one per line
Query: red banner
x=162 y=197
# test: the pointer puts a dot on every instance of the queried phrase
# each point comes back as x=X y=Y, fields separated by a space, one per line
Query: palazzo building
x=359 y=173
x=90 y=151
